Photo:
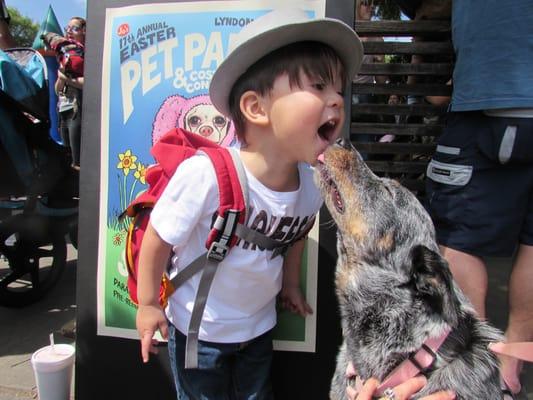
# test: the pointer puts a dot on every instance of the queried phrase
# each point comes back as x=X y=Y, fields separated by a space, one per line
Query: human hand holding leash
x=403 y=391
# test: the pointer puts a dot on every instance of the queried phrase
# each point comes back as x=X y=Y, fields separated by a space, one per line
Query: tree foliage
x=386 y=10
x=22 y=28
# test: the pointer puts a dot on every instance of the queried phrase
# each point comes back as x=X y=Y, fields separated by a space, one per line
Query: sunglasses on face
x=73 y=29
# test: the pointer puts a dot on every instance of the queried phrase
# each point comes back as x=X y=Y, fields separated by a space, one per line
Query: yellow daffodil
x=127 y=162
x=140 y=173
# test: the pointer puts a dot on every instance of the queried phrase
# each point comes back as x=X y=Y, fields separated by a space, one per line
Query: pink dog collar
x=411 y=366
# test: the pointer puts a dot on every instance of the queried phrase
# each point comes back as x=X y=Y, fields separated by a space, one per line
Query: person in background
x=364 y=10
x=480 y=180
x=69 y=89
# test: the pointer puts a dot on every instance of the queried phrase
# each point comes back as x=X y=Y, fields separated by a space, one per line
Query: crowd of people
x=69 y=82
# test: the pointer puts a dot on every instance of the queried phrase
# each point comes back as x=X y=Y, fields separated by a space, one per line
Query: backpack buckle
x=217 y=251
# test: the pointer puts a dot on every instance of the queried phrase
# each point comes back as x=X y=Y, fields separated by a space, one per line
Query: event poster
x=158 y=60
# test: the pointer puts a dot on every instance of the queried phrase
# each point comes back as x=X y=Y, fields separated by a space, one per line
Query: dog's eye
x=219 y=121
x=194 y=121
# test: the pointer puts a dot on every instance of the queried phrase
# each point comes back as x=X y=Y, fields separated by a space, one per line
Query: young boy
x=282 y=85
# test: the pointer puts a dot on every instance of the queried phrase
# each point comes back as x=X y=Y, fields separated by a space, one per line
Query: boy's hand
x=150 y=318
x=293 y=300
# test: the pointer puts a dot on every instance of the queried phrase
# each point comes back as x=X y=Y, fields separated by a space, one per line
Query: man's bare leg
x=470 y=273
x=520 y=323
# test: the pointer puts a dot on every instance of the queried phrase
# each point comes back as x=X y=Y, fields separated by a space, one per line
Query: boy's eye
x=319 y=85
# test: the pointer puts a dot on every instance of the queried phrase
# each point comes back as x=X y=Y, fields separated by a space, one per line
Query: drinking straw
x=52 y=342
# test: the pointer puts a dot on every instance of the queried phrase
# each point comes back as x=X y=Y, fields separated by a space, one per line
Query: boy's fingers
x=163 y=328
x=146 y=345
x=308 y=308
x=153 y=347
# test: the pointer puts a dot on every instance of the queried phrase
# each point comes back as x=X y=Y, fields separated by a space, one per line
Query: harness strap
x=208 y=262
x=189 y=271
x=258 y=238
x=241 y=173
x=191 y=345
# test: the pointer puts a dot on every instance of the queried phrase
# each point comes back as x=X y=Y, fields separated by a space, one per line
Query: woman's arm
x=74 y=82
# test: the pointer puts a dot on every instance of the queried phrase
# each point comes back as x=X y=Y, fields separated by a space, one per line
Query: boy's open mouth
x=327 y=130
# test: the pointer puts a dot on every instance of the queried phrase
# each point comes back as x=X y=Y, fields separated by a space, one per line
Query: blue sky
x=36 y=9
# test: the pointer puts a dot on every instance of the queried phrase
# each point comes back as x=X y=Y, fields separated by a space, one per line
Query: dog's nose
x=344 y=143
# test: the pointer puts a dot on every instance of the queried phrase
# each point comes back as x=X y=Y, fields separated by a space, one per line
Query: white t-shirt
x=242 y=299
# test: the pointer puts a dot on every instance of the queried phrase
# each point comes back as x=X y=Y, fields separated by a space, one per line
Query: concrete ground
x=27 y=329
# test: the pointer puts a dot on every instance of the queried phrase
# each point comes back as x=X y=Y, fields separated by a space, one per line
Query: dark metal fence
x=414 y=125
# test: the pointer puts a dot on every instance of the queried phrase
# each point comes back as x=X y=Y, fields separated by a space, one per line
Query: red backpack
x=229 y=226
x=170 y=151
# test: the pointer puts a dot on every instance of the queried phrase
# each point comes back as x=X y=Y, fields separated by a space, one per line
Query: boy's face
x=305 y=120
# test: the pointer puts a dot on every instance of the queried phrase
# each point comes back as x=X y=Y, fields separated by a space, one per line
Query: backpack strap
x=278 y=248
x=233 y=202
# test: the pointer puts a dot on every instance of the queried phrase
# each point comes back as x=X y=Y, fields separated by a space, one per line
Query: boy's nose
x=335 y=100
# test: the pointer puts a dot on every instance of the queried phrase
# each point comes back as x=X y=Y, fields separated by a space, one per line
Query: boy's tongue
x=321 y=157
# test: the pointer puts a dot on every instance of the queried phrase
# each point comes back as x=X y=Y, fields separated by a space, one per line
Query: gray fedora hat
x=273 y=31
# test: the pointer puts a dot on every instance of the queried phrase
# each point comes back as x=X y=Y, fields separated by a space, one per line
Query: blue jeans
x=226 y=371
x=70 y=131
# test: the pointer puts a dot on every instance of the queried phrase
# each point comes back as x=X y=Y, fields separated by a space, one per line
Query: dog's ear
x=433 y=281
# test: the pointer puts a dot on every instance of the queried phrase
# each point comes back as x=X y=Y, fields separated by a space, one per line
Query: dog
x=395 y=292
x=205 y=120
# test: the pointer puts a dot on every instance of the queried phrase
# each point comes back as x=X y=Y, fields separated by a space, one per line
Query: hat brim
x=334 y=33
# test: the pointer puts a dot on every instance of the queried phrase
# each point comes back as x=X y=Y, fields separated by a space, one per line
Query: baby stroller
x=38 y=188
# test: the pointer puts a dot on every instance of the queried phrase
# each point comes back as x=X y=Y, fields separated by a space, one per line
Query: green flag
x=49 y=24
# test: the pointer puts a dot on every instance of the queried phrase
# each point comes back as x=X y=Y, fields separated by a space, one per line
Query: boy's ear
x=252 y=107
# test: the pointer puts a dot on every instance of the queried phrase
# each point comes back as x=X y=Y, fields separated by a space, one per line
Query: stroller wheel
x=32 y=258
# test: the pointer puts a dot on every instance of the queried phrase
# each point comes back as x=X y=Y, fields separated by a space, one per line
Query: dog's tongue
x=321 y=157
